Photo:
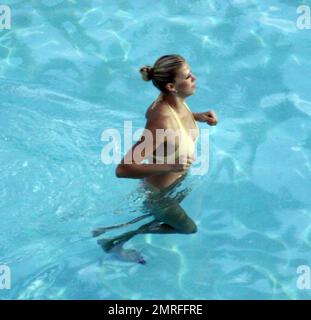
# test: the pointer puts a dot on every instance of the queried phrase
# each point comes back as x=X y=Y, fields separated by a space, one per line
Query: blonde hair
x=163 y=71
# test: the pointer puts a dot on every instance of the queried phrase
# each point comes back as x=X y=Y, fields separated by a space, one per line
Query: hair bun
x=146 y=72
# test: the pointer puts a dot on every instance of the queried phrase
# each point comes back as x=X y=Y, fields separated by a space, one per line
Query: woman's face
x=185 y=81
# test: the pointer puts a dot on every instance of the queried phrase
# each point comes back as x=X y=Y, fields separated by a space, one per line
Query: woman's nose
x=193 y=77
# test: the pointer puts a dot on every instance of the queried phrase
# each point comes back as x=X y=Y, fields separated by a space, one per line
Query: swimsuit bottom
x=156 y=199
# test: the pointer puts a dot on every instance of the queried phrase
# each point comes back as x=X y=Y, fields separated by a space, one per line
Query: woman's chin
x=190 y=92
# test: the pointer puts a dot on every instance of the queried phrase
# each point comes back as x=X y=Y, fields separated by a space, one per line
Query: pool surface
x=69 y=71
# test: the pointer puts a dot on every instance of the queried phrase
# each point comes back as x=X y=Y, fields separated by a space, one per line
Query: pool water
x=69 y=71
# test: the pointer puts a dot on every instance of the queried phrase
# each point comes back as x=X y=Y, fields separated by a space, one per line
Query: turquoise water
x=68 y=71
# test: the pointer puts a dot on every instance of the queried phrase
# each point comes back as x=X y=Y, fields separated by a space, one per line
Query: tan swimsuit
x=185 y=148
x=186 y=144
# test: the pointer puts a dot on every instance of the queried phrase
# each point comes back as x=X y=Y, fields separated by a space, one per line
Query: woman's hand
x=183 y=165
x=209 y=117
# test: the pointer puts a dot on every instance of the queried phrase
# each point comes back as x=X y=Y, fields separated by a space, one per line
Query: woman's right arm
x=138 y=171
x=131 y=166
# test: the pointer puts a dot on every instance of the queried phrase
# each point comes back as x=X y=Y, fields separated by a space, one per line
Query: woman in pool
x=172 y=75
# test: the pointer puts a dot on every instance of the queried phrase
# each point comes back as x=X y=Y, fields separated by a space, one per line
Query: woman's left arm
x=209 y=117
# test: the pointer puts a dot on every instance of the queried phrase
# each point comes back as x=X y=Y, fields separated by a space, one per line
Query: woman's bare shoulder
x=157 y=109
x=159 y=116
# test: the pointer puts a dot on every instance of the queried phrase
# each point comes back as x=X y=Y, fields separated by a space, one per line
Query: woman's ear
x=170 y=87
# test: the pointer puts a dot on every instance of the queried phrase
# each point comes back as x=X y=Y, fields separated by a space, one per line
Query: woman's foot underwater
x=115 y=246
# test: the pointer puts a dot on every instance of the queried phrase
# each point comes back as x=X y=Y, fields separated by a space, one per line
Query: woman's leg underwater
x=170 y=217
